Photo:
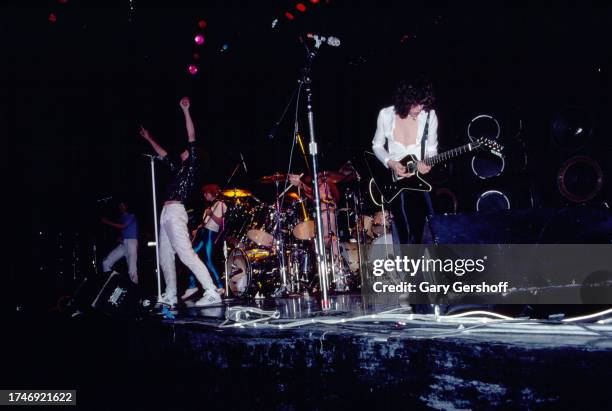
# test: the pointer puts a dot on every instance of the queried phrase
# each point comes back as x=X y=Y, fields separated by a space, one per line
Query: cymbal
x=325 y=176
x=293 y=196
x=273 y=178
x=236 y=193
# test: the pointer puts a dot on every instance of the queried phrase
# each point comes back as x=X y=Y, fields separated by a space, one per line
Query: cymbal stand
x=280 y=246
x=314 y=151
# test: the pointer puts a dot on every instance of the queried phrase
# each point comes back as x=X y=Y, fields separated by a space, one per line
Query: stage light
x=289 y=16
x=199 y=39
x=202 y=24
x=62 y=1
x=52 y=18
x=193 y=69
x=196 y=56
x=314 y=1
x=300 y=7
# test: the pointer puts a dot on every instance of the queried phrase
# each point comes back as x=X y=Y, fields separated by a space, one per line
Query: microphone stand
x=153 y=191
x=313 y=148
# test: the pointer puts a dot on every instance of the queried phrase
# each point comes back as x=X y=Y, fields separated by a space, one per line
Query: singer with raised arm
x=409 y=126
x=173 y=232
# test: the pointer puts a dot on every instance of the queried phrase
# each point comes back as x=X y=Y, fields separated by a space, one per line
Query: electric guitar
x=385 y=188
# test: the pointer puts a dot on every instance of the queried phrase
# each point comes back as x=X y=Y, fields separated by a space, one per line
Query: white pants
x=174 y=239
x=128 y=249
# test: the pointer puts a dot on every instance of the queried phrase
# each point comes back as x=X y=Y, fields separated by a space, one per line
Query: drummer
x=329 y=194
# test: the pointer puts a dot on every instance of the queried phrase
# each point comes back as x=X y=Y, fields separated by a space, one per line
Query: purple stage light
x=193 y=69
x=199 y=39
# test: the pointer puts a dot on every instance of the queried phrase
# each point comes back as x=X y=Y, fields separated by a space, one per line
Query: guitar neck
x=447 y=155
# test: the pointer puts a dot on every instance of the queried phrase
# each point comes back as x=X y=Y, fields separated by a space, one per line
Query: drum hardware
x=272 y=249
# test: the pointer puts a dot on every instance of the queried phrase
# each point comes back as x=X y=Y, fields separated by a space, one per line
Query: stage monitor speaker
x=111 y=294
x=569 y=225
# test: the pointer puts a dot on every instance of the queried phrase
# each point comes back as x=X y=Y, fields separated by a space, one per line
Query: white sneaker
x=188 y=293
x=210 y=297
x=167 y=300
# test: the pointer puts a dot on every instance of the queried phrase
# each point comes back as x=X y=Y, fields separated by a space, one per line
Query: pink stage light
x=199 y=39
x=300 y=7
x=52 y=18
x=314 y=1
x=193 y=69
x=289 y=16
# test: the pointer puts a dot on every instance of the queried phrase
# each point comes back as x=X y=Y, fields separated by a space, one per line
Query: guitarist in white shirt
x=402 y=127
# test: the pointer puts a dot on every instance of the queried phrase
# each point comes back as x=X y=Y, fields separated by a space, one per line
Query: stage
x=373 y=360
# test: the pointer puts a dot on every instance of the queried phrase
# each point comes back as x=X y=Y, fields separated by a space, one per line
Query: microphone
x=244 y=164
x=330 y=41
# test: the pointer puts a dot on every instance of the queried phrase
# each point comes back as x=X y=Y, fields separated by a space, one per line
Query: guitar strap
x=430 y=210
x=424 y=139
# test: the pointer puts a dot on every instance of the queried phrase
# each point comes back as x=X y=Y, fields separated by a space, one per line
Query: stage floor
x=353 y=354
x=369 y=360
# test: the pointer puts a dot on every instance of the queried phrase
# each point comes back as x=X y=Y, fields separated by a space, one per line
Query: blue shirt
x=131 y=228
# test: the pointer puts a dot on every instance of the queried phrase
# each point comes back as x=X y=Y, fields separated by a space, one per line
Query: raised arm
x=188 y=122
x=113 y=224
x=147 y=136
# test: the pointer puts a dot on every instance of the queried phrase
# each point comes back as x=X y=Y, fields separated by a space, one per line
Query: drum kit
x=270 y=246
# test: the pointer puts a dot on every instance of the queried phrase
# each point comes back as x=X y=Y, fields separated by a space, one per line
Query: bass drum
x=239 y=273
x=251 y=271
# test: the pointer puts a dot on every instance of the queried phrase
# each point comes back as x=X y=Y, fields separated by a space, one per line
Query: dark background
x=75 y=91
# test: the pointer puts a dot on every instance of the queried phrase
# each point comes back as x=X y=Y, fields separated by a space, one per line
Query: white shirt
x=218 y=209
x=385 y=126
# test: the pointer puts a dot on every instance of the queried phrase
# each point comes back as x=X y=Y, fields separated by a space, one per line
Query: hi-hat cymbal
x=236 y=193
x=273 y=178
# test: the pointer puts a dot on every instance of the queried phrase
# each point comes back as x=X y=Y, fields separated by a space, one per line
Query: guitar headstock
x=491 y=145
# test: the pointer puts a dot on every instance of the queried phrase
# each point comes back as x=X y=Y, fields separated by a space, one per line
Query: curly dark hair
x=407 y=94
